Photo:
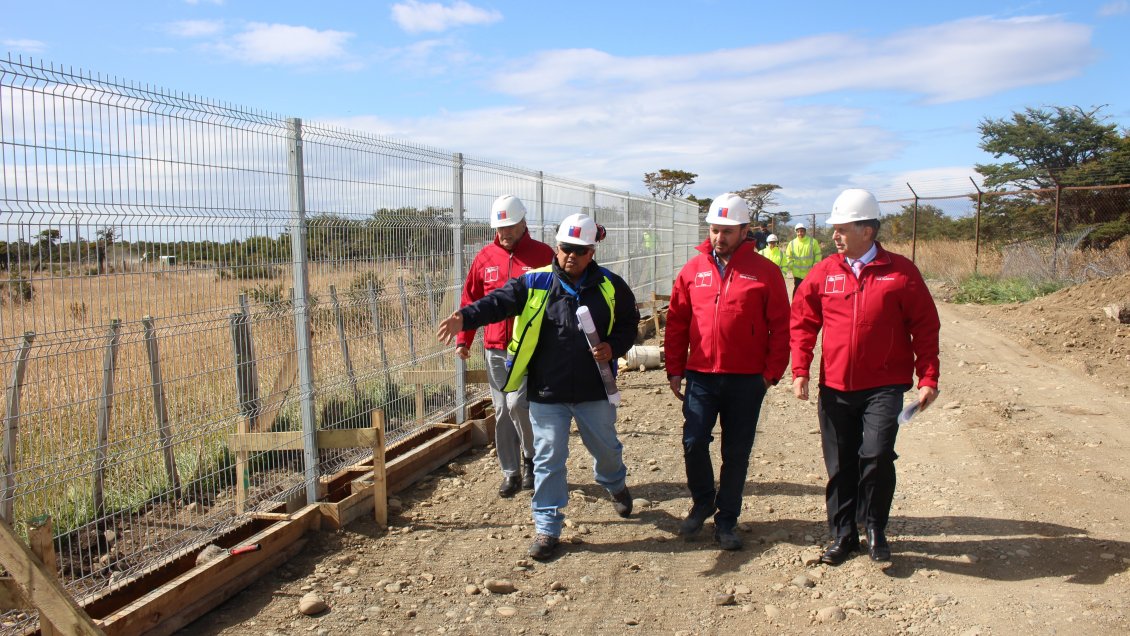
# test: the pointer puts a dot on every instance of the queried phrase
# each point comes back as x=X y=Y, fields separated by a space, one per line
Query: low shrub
x=987 y=290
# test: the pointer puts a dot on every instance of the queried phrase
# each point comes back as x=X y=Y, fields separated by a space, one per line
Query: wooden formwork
x=171 y=595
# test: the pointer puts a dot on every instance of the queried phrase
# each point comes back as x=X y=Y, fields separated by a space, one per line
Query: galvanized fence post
x=457 y=274
x=541 y=205
x=12 y=428
x=303 y=346
x=914 y=227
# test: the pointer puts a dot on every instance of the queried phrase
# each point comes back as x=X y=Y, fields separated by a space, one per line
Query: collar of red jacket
x=747 y=245
x=882 y=257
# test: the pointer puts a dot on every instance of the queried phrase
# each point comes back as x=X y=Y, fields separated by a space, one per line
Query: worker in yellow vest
x=773 y=252
x=801 y=254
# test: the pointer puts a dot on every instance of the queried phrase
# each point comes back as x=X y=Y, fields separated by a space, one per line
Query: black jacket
x=562 y=368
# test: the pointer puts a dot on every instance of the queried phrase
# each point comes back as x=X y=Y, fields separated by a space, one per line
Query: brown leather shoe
x=509 y=486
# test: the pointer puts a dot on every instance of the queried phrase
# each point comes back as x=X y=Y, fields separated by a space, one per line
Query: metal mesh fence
x=176 y=271
x=1075 y=234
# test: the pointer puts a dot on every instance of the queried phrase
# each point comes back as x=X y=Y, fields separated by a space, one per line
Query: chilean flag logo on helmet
x=501 y=214
x=575 y=231
x=723 y=213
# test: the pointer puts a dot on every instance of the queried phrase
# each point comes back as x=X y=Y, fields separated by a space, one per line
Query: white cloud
x=1118 y=7
x=948 y=62
x=25 y=46
x=414 y=16
x=800 y=113
x=195 y=28
x=263 y=43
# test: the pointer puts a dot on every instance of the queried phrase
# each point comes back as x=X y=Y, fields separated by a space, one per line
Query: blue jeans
x=596 y=422
x=735 y=399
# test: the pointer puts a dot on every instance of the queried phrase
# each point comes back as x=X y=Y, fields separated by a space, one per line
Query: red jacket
x=492 y=268
x=878 y=330
x=732 y=323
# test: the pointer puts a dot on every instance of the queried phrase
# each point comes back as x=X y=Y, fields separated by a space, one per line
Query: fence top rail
x=1008 y=193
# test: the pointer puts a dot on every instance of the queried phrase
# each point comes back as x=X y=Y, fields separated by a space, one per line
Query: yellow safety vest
x=527 y=328
x=774 y=254
x=801 y=255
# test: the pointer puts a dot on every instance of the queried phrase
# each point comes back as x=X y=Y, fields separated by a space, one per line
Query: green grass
x=987 y=290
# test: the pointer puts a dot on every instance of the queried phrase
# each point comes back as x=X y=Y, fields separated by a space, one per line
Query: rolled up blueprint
x=584 y=318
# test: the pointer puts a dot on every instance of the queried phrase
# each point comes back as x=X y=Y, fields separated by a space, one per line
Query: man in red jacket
x=880 y=328
x=512 y=253
x=727 y=334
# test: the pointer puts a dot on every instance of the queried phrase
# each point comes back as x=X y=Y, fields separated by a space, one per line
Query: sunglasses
x=576 y=250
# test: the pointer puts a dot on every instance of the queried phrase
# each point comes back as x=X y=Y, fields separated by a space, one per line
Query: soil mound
x=1071 y=327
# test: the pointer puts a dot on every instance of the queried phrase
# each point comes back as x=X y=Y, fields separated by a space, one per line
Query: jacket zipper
x=723 y=287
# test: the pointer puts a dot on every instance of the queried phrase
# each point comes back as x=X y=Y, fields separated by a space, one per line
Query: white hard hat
x=854 y=204
x=800 y=226
x=728 y=209
x=506 y=210
x=578 y=229
x=772 y=238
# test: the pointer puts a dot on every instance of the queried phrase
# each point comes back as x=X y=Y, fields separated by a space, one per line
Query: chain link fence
x=175 y=271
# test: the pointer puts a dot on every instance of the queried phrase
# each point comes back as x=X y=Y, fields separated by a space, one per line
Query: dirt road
x=1010 y=518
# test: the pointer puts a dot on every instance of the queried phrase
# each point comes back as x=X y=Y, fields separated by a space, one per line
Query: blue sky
x=813 y=96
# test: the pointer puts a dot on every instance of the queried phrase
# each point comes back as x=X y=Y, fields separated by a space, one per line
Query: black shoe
x=727 y=538
x=528 y=474
x=543 y=547
x=509 y=486
x=622 y=502
x=692 y=523
x=840 y=549
x=877 y=546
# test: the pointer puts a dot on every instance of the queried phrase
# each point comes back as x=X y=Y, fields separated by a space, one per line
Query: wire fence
x=1070 y=234
x=176 y=271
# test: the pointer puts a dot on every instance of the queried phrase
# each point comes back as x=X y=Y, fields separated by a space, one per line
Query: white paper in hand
x=908 y=412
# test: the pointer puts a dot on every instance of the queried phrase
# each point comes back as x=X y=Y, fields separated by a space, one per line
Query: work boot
x=692 y=524
x=510 y=486
x=543 y=547
x=528 y=474
x=622 y=502
x=727 y=539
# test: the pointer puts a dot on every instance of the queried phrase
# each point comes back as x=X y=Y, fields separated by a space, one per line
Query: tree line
x=1041 y=152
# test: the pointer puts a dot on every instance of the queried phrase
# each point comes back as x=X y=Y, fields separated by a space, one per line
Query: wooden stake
x=105 y=409
x=160 y=411
x=380 y=482
x=339 y=320
x=41 y=537
x=11 y=427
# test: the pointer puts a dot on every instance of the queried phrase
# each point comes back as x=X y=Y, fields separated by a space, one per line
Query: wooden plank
x=440 y=376
x=292 y=440
x=44 y=592
x=105 y=408
x=12 y=427
x=192 y=594
x=411 y=466
x=160 y=411
x=41 y=540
